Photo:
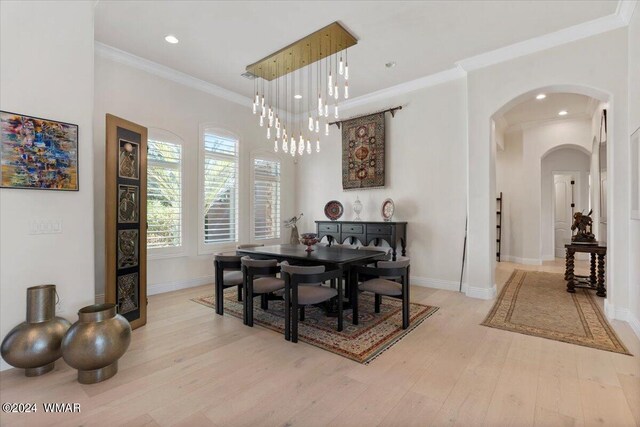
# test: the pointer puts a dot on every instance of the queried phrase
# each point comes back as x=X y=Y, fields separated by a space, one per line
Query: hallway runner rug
x=375 y=333
x=537 y=303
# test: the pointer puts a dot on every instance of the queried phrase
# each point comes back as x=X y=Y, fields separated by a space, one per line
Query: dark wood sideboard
x=366 y=232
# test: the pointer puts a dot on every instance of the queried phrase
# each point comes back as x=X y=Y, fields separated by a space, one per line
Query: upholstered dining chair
x=303 y=286
x=259 y=279
x=388 y=278
x=227 y=270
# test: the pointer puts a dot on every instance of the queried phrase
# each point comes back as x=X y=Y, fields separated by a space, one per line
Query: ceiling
x=547 y=109
x=218 y=39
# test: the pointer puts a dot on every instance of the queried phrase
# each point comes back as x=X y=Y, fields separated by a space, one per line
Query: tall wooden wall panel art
x=126 y=219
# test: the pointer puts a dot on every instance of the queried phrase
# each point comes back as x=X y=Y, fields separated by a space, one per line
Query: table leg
x=569 y=276
x=592 y=275
x=353 y=299
x=601 y=291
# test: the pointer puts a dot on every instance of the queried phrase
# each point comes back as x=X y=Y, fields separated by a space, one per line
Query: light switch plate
x=45 y=226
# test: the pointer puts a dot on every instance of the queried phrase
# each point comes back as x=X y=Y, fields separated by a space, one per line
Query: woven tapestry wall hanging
x=363 y=152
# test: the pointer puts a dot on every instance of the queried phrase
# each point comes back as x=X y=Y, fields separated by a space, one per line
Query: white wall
x=155 y=102
x=524 y=175
x=634 y=123
x=567 y=68
x=46 y=64
x=425 y=176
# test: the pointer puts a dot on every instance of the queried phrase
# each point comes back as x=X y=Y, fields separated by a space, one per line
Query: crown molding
x=566 y=35
x=402 y=88
x=126 y=58
x=625 y=10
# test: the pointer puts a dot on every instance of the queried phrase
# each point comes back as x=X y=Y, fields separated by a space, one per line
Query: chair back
x=303 y=270
x=400 y=262
x=260 y=267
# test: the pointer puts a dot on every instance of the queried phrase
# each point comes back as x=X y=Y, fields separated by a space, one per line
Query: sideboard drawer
x=353 y=228
x=328 y=228
x=378 y=229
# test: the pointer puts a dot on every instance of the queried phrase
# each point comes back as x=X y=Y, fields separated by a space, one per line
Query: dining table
x=331 y=257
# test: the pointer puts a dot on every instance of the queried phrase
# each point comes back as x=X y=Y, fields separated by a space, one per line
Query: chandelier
x=298 y=88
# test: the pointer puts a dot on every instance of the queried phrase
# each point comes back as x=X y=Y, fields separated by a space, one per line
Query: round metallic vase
x=95 y=342
x=35 y=345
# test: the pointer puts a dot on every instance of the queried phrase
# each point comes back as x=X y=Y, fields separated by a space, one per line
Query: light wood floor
x=190 y=367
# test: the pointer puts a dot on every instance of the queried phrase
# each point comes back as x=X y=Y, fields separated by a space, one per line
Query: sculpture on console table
x=293 y=225
x=583 y=223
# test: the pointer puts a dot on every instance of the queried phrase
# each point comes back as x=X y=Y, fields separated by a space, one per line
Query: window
x=266 y=199
x=220 y=188
x=164 y=194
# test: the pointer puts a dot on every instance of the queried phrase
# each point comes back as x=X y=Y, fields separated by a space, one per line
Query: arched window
x=220 y=186
x=266 y=198
x=164 y=190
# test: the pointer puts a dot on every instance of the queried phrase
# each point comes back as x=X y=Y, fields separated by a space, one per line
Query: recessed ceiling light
x=563 y=113
x=390 y=64
x=297 y=96
x=171 y=39
x=541 y=96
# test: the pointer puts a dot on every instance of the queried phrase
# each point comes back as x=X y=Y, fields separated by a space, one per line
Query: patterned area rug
x=537 y=303
x=374 y=334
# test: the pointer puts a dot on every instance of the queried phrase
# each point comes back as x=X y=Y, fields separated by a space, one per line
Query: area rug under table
x=375 y=333
x=537 y=303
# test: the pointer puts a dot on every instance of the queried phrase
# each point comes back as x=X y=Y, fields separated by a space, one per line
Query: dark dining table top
x=320 y=254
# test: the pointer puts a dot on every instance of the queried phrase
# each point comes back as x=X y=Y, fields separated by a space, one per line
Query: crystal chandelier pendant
x=326 y=110
x=308 y=147
x=255 y=108
x=346 y=71
x=292 y=147
x=346 y=90
x=335 y=92
x=317 y=145
x=336 y=111
x=285 y=147
x=326 y=129
x=275 y=145
x=310 y=123
x=330 y=84
x=301 y=145
x=317 y=126
x=261 y=121
x=278 y=132
x=341 y=66
x=268 y=133
x=319 y=102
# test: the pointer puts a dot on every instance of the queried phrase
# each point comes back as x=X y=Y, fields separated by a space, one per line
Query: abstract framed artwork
x=37 y=153
x=363 y=152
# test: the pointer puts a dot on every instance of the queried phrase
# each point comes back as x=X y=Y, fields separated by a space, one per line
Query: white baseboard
x=160 y=288
x=480 y=292
x=623 y=314
x=519 y=260
x=450 y=285
x=447 y=285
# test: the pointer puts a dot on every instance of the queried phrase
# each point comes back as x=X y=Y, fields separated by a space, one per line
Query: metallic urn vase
x=35 y=345
x=95 y=342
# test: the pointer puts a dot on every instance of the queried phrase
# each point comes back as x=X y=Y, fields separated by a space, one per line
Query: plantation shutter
x=220 y=189
x=164 y=194
x=266 y=199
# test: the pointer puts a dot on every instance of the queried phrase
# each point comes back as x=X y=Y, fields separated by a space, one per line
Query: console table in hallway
x=366 y=232
x=596 y=279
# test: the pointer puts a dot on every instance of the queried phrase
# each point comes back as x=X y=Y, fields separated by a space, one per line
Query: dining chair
x=303 y=287
x=259 y=279
x=227 y=271
x=388 y=278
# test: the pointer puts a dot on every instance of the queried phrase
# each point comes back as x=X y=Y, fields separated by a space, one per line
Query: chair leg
x=302 y=313
x=377 y=302
x=294 y=314
x=264 y=302
x=354 y=296
x=248 y=296
x=245 y=318
x=340 y=320
x=287 y=311
x=239 y=292
x=218 y=299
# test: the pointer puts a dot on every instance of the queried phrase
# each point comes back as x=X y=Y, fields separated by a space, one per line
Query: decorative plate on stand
x=333 y=210
x=387 y=209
